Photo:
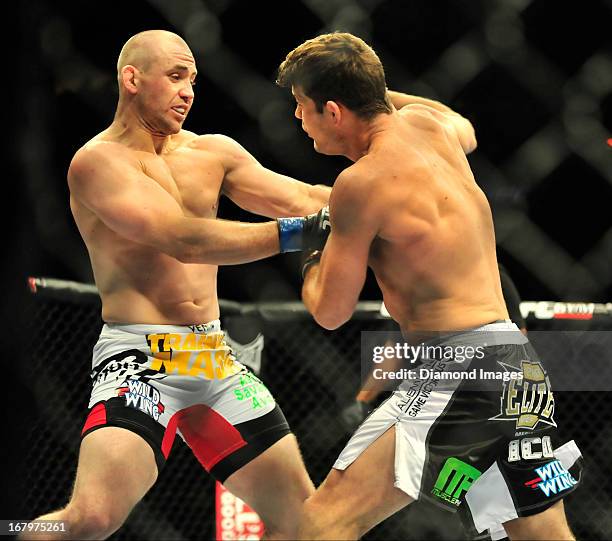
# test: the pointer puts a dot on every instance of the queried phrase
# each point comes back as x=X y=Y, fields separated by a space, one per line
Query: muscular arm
x=259 y=190
x=331 y=289
x=112 y=185
x=463 y=127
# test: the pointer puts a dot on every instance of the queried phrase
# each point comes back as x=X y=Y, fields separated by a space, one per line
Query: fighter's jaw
x=326 y=150
x=172 y=122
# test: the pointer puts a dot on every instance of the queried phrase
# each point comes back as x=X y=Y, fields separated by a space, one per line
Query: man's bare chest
x=192 y=180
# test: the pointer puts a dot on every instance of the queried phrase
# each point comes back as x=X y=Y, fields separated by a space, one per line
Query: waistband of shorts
x=497 y=333
x=144 y=328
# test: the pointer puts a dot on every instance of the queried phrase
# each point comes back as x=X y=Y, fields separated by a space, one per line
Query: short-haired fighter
x=144 y=194
x=409 y=208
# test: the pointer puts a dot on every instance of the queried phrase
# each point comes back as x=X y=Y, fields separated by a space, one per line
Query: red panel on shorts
x=169 y=434
x=96 y=417
x=209 y=435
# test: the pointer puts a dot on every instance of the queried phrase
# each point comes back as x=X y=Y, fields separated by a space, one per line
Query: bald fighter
x=410 y=209
x=144 y=194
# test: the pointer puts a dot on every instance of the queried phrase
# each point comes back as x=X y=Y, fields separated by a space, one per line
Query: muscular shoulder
x=227 y=150
x=423 y=116
x=363 y=176
x=358 y=189
x=98 y=154
x=449 y=123
x=216 y=142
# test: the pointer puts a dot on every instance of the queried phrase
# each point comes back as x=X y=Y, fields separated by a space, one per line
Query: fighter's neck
x=366 y=133
x=131 y=132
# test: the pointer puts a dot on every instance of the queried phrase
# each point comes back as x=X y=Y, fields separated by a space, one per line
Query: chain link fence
x=539 y=99
x=313 y=374
x=501 y=63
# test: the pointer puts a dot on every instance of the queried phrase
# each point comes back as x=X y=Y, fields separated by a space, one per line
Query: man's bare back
x=139 y=283
x=409 y=208
x=434 y=254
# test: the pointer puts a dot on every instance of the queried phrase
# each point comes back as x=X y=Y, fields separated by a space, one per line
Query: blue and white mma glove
x=305 y=232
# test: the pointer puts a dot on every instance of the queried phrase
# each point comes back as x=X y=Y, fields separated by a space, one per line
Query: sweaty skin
x=145 y=193
x=410 y=209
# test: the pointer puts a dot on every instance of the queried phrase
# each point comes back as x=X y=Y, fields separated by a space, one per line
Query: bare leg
x=353 y=501
x=116 y=469
x=549 y=524
x=275 y=485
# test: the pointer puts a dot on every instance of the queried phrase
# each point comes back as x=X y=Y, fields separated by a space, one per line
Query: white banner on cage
x=234 y=518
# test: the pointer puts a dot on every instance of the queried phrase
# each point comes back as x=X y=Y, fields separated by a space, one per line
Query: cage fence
x=314 y=374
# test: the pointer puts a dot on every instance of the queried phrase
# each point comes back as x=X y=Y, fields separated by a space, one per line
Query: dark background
x=535 y=78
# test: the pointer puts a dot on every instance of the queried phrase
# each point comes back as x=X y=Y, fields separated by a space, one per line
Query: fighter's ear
x=129 y=78
x=334 y=110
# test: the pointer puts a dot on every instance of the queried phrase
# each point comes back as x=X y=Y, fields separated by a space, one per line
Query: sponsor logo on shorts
x=201 y=327
x=454 y=480
x=552 y=478
x=118 y=366
x=191 y=354
x=251 y=388
x=413 y=399
x=530 y=449
x=528 y=401
x=142 y=396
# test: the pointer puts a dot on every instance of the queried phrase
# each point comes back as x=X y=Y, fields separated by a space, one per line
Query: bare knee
x=317 y=515
x=81 y=522
x=282 y=525
x=323 y=513
x=341 y=507
x=95 y=521
x=279 y=531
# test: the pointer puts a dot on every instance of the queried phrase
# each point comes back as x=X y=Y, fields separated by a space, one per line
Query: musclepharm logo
x=142 y=396
x=552 y=479
x=454 y=480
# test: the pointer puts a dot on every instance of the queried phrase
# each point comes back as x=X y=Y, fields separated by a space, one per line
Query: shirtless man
x=144 y=195
x=372 y=388
x=410 y=209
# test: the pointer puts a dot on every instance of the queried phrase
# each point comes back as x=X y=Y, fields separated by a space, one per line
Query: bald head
x=156 y=72
x=142 y=49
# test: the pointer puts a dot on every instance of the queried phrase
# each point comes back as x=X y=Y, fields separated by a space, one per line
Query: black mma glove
x=304 y=233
